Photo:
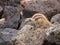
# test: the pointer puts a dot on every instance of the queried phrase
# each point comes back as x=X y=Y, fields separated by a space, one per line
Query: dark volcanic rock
x=1 y=12
x=28 y=13
x=56 y=19
x=7 y=36
x=9 y=2
x=12 y=16
x=47 y=7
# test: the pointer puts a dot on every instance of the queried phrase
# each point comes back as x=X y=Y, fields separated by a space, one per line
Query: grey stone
x=55 y=19
x=12 y=16
x=7 y=36
x=53 y=35
x=30 y=35
x=9 y=2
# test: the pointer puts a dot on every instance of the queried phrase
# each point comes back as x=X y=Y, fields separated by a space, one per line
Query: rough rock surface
x=7 y=36
x=30 y=35
x=9 y=2
x=12 y=16
x=53 y=35
x=47 y=7
x=56 y=19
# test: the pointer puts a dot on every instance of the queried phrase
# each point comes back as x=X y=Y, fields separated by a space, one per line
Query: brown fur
x=42 y=20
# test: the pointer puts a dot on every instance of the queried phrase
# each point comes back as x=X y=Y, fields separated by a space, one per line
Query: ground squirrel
x=33 y=36
x=42 y=20
x=29 y=34
x=39 y=20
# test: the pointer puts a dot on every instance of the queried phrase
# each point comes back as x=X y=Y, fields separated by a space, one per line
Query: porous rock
x=53 y=35
x=1 y=12
x=12 y=16
x=9 y=2
x=7 y=36
x=30 y=35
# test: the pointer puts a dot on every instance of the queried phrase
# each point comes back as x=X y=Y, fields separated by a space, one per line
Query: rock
x=53 y=35
x=9 y=2
x=46 y=7
x=13 y=2
x=2 y=21
x=1 y=12
x=55 y=19
x=12 y=16
x=30 y=35
x=7 y=36
x=28 y=13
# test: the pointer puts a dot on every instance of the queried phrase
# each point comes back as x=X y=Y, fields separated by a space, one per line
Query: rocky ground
x=14 y=31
